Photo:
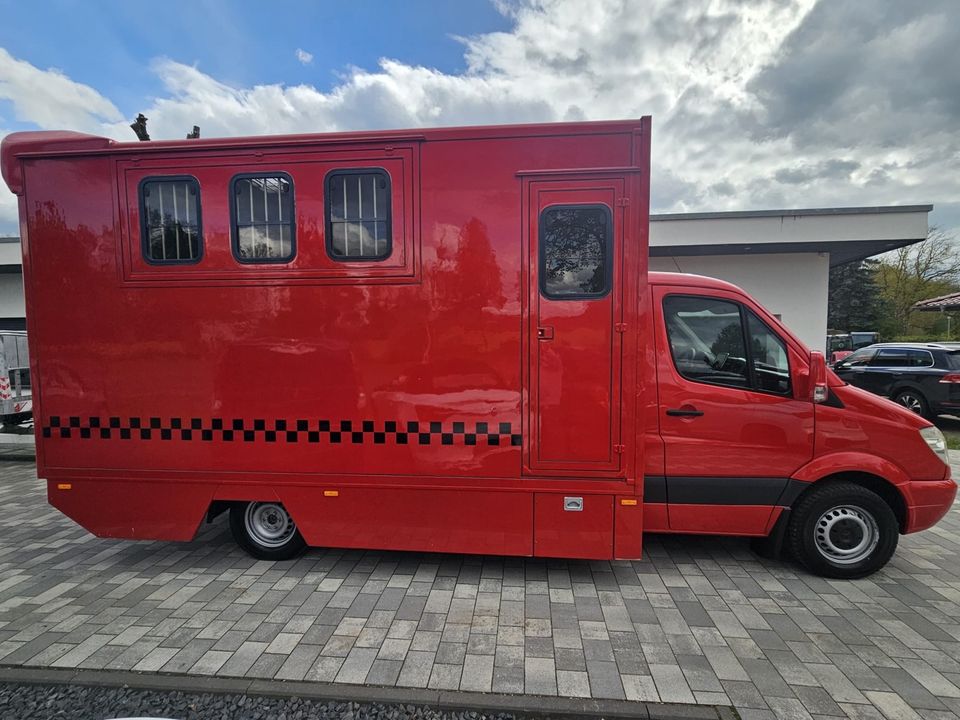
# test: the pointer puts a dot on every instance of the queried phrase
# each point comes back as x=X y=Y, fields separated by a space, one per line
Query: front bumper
x=927 y=502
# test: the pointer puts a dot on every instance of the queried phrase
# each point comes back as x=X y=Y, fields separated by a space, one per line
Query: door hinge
x=620 y=327
x=623 y=202
x=619 y=449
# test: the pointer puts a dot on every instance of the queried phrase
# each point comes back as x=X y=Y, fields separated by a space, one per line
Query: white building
x=12 y=311
x=781 y=257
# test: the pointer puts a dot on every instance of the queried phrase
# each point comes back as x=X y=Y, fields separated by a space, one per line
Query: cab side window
x=706 y=340
x=771 y=370
x=723 y=343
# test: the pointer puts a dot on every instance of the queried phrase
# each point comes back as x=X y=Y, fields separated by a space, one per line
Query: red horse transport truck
x=441 y=340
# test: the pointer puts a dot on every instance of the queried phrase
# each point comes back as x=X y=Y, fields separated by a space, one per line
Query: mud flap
x=771 y=546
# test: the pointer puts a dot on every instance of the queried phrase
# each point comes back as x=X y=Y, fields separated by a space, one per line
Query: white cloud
x=303 y=57
x=50 y=99
x=770 y=104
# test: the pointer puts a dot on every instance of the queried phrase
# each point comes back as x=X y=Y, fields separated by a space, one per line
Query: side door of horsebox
x=733 y=423
x=575 y=232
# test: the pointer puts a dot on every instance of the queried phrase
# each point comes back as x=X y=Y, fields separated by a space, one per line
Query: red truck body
x=464 y=386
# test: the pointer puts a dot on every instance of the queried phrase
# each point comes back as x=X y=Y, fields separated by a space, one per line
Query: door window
x=891 y=358
x=575 y=251
x=706 y=340
x=709 y=343
x=771 y=370
x=859 y=359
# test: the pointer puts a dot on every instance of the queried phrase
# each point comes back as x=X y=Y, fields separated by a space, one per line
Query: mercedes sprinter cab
x=752 y=434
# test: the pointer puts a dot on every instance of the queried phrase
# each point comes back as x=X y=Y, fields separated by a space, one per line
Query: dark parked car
x=924 y=377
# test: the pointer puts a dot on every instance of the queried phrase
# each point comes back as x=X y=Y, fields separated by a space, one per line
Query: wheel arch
x=887 y=491
x=912 y=386
x=869 y=471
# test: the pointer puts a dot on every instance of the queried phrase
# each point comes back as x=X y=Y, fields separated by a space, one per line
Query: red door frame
x=538 y=194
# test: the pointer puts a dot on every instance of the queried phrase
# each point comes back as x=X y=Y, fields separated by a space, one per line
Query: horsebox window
x=170 y=220
x=575 y=251
x=358 y=215
x=263 y=227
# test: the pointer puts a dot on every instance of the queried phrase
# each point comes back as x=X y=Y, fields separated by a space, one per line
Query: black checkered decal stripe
x=334 y=432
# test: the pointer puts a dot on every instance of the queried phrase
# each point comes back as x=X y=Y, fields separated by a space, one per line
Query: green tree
x=917 y=272
x=854 y=301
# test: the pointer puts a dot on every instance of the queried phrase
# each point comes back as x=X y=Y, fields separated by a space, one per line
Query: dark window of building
x=264 y=224
x=358 y=215
x=170 y=220
x=576 y=250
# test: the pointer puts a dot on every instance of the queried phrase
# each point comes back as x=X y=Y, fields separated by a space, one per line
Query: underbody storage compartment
x=573 y=526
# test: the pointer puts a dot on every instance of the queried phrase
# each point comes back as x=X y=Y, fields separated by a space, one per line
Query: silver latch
x=573 y=504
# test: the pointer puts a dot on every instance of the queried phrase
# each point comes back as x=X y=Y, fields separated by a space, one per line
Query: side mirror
x=818 y=377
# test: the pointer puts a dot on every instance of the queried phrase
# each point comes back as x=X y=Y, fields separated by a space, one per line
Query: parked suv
x=923 y=377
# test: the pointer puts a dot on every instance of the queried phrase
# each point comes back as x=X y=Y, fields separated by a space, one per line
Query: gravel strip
x=75 y=702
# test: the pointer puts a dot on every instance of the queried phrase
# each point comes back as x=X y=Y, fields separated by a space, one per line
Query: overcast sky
x=756 y=105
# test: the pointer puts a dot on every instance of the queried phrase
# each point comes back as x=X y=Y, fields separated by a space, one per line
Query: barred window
x=170 y=220
x=263 y=227
x=358 y=215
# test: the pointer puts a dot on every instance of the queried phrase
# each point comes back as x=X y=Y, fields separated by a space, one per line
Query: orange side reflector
x=627 y=501
x=64 y=486
x=331 y=493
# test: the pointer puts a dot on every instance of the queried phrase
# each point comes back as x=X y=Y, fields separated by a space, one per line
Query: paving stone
x=477 y=673
x=540 y=676
x=671 y=684
x=356 y=665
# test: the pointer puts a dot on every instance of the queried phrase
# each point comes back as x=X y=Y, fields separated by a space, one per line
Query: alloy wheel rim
x=268 y=524
x=846 y=534
x=911 y=402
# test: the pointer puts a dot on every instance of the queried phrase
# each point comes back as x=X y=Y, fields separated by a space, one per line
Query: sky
x=765 y=104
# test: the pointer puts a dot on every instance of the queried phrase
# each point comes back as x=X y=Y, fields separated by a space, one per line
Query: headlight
x=936 y=442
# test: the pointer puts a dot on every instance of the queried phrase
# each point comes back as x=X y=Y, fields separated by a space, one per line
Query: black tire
x=266 y=531
x=914 y=401
x=842 y=517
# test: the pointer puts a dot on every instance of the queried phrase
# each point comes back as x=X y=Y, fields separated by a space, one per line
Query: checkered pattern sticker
x=331 y=432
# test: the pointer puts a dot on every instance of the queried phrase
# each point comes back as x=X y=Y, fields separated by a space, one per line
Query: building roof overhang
x=847 y=234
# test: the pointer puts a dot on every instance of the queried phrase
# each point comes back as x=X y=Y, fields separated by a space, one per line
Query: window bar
x=265 y=184
x=360 y=210
x=163 y=228
x=346 y=233
x=176 y=218
x=253 y=235
x=190 y=236
x=376 y=225
x=280 y=215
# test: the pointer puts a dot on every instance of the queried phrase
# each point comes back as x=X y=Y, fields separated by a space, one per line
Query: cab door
x=733 y=425
x=574 y=347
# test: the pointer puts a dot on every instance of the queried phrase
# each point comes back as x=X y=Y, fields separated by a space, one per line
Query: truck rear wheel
x=266 y=530
x=842 y=530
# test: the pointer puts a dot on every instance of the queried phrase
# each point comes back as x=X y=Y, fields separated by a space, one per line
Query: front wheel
x=266 y=530
x=843 y=530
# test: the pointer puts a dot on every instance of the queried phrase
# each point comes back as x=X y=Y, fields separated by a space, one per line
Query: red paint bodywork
x=446 y=333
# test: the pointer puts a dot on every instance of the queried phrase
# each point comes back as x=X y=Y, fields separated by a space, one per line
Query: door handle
x=545 y=332
x=684 y=412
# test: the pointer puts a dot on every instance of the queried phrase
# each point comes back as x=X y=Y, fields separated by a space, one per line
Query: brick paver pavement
x=698 y=620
